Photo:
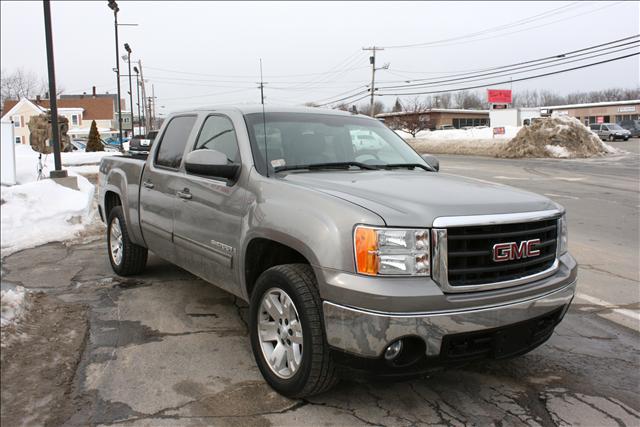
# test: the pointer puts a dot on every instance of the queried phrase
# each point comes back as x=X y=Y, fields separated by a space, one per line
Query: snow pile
x=43 y=211
x=561 y=136
x=27 y=162
x=12 y=305
x=485 y=133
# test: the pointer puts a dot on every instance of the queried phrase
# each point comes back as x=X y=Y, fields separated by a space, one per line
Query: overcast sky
x=207 y=53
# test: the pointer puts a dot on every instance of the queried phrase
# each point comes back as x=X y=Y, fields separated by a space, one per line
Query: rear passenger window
x=218 y=134
x=173 y=141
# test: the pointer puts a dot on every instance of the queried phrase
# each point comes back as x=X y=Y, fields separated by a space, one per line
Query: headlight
x=392 y=251
x=563 y=236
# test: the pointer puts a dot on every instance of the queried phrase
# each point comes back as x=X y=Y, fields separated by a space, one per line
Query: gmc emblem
x=512 y=250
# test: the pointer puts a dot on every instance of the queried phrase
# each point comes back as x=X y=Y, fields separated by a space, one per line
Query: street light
x=138 y=92
x=128 y=49
x=114 y=6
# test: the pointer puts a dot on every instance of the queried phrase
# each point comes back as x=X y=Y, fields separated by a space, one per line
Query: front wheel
x=612 y=138
x=126 y=257
x=287 y=333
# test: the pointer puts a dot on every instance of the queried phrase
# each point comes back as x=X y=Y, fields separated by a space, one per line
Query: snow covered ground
x=463 y=134
x=37 y=212
x=12 y=304
x=27 y=162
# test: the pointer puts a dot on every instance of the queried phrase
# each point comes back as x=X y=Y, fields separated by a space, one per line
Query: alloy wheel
x=280 y=333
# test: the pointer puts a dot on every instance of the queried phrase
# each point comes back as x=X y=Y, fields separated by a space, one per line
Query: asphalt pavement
x=167 y=349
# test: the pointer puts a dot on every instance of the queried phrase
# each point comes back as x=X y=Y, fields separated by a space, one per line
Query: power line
x=501 y=73
x=556 y=57
x=513 y=80
x=456 y=40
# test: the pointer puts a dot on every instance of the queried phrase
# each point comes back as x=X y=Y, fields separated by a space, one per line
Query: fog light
x=393 y=350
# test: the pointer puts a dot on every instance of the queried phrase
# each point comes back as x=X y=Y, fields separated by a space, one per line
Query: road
x=165 y=348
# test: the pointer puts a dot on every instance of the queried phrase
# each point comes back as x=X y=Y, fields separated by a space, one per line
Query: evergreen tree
x=94 y=143
x=397 y=107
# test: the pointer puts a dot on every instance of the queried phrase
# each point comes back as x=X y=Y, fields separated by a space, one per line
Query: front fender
x=317 y=225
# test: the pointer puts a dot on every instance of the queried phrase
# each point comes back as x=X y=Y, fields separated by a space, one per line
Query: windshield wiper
x=333 y=165
x=407 y=165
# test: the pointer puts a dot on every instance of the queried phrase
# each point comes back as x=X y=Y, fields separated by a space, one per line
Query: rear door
x=209 y=210
x=160 y=186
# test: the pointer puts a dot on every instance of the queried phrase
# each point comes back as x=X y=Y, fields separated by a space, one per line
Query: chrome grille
x=469 y=252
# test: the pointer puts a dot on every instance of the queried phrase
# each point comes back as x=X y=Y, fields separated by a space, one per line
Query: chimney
x=37 y=99
x=83 y=94
x=94 y=91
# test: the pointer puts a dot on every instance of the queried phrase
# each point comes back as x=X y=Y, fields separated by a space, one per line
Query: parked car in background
x=610 y=131
x=632 y=126
x=78 y=144
x=141 y=143
x=445 y=127
x=112 y=140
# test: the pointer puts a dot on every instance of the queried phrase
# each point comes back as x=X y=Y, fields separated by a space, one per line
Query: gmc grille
x=470 y=259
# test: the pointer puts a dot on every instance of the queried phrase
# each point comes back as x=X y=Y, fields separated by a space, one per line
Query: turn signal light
x=366 y=242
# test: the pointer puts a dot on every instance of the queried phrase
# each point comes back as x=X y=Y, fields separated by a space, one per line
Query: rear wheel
x=287 y=332
x=126 y=257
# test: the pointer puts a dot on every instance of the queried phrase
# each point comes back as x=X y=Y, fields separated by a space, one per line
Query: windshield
x=615 y=127
x=298 y=139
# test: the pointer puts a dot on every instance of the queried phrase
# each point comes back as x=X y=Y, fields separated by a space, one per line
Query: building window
x=18 y=140
x=16 y=121
x=74 y=119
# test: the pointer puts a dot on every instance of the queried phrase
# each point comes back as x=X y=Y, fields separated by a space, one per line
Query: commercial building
x=597 y=112
x=436 y=118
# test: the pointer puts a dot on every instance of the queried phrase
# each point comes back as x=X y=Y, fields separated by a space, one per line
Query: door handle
x=185 y=194
x=147 y=184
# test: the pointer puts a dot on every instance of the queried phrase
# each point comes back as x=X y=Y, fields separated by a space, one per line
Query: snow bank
x=43 y=211
x=27 y=162
x=484 y=133
x=12 y=305
x=560 y=136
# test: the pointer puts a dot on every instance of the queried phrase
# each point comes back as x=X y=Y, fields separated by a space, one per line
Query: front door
x=159 y=186
x=209 y=211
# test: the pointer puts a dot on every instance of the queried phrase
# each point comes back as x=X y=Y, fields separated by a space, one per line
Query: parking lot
x=166 y=348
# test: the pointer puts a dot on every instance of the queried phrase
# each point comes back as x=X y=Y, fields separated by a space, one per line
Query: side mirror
x=211 y=163
x=432 y=161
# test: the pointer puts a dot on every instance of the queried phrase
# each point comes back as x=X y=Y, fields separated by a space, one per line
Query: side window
x=218 y=134
x=173 y=141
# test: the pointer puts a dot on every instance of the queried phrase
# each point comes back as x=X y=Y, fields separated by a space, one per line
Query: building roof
x=434 y=110
x=593 y=104
x=99 y=108
x=16 y=106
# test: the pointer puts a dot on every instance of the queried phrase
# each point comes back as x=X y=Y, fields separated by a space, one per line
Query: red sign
x=498 y=131
x=499 y=96
x=600 y=119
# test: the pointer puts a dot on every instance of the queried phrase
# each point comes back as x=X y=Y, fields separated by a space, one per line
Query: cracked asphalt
x=167 y=349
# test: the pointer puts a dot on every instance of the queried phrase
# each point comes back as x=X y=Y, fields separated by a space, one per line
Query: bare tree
x=22 y=84
x=378 y=107
x=341 y=106
x=414 y=118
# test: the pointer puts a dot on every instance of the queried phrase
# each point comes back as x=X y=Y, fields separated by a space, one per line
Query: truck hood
x=415 y=198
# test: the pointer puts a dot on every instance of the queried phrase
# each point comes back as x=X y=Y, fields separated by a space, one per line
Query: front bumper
x=365 y=333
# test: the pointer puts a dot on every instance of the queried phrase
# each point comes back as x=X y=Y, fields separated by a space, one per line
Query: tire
x=314 y=372
x=612 y=138
x=126 y=257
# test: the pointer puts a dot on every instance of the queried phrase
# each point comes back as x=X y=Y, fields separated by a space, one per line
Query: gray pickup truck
x=354 y=258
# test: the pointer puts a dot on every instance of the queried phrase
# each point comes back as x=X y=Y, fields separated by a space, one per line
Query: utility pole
x=53 y=102
x=147 y=127
x=153 y=103
x=372 y=60
x=261 y=85
x=128 y=49
x=138 y=93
